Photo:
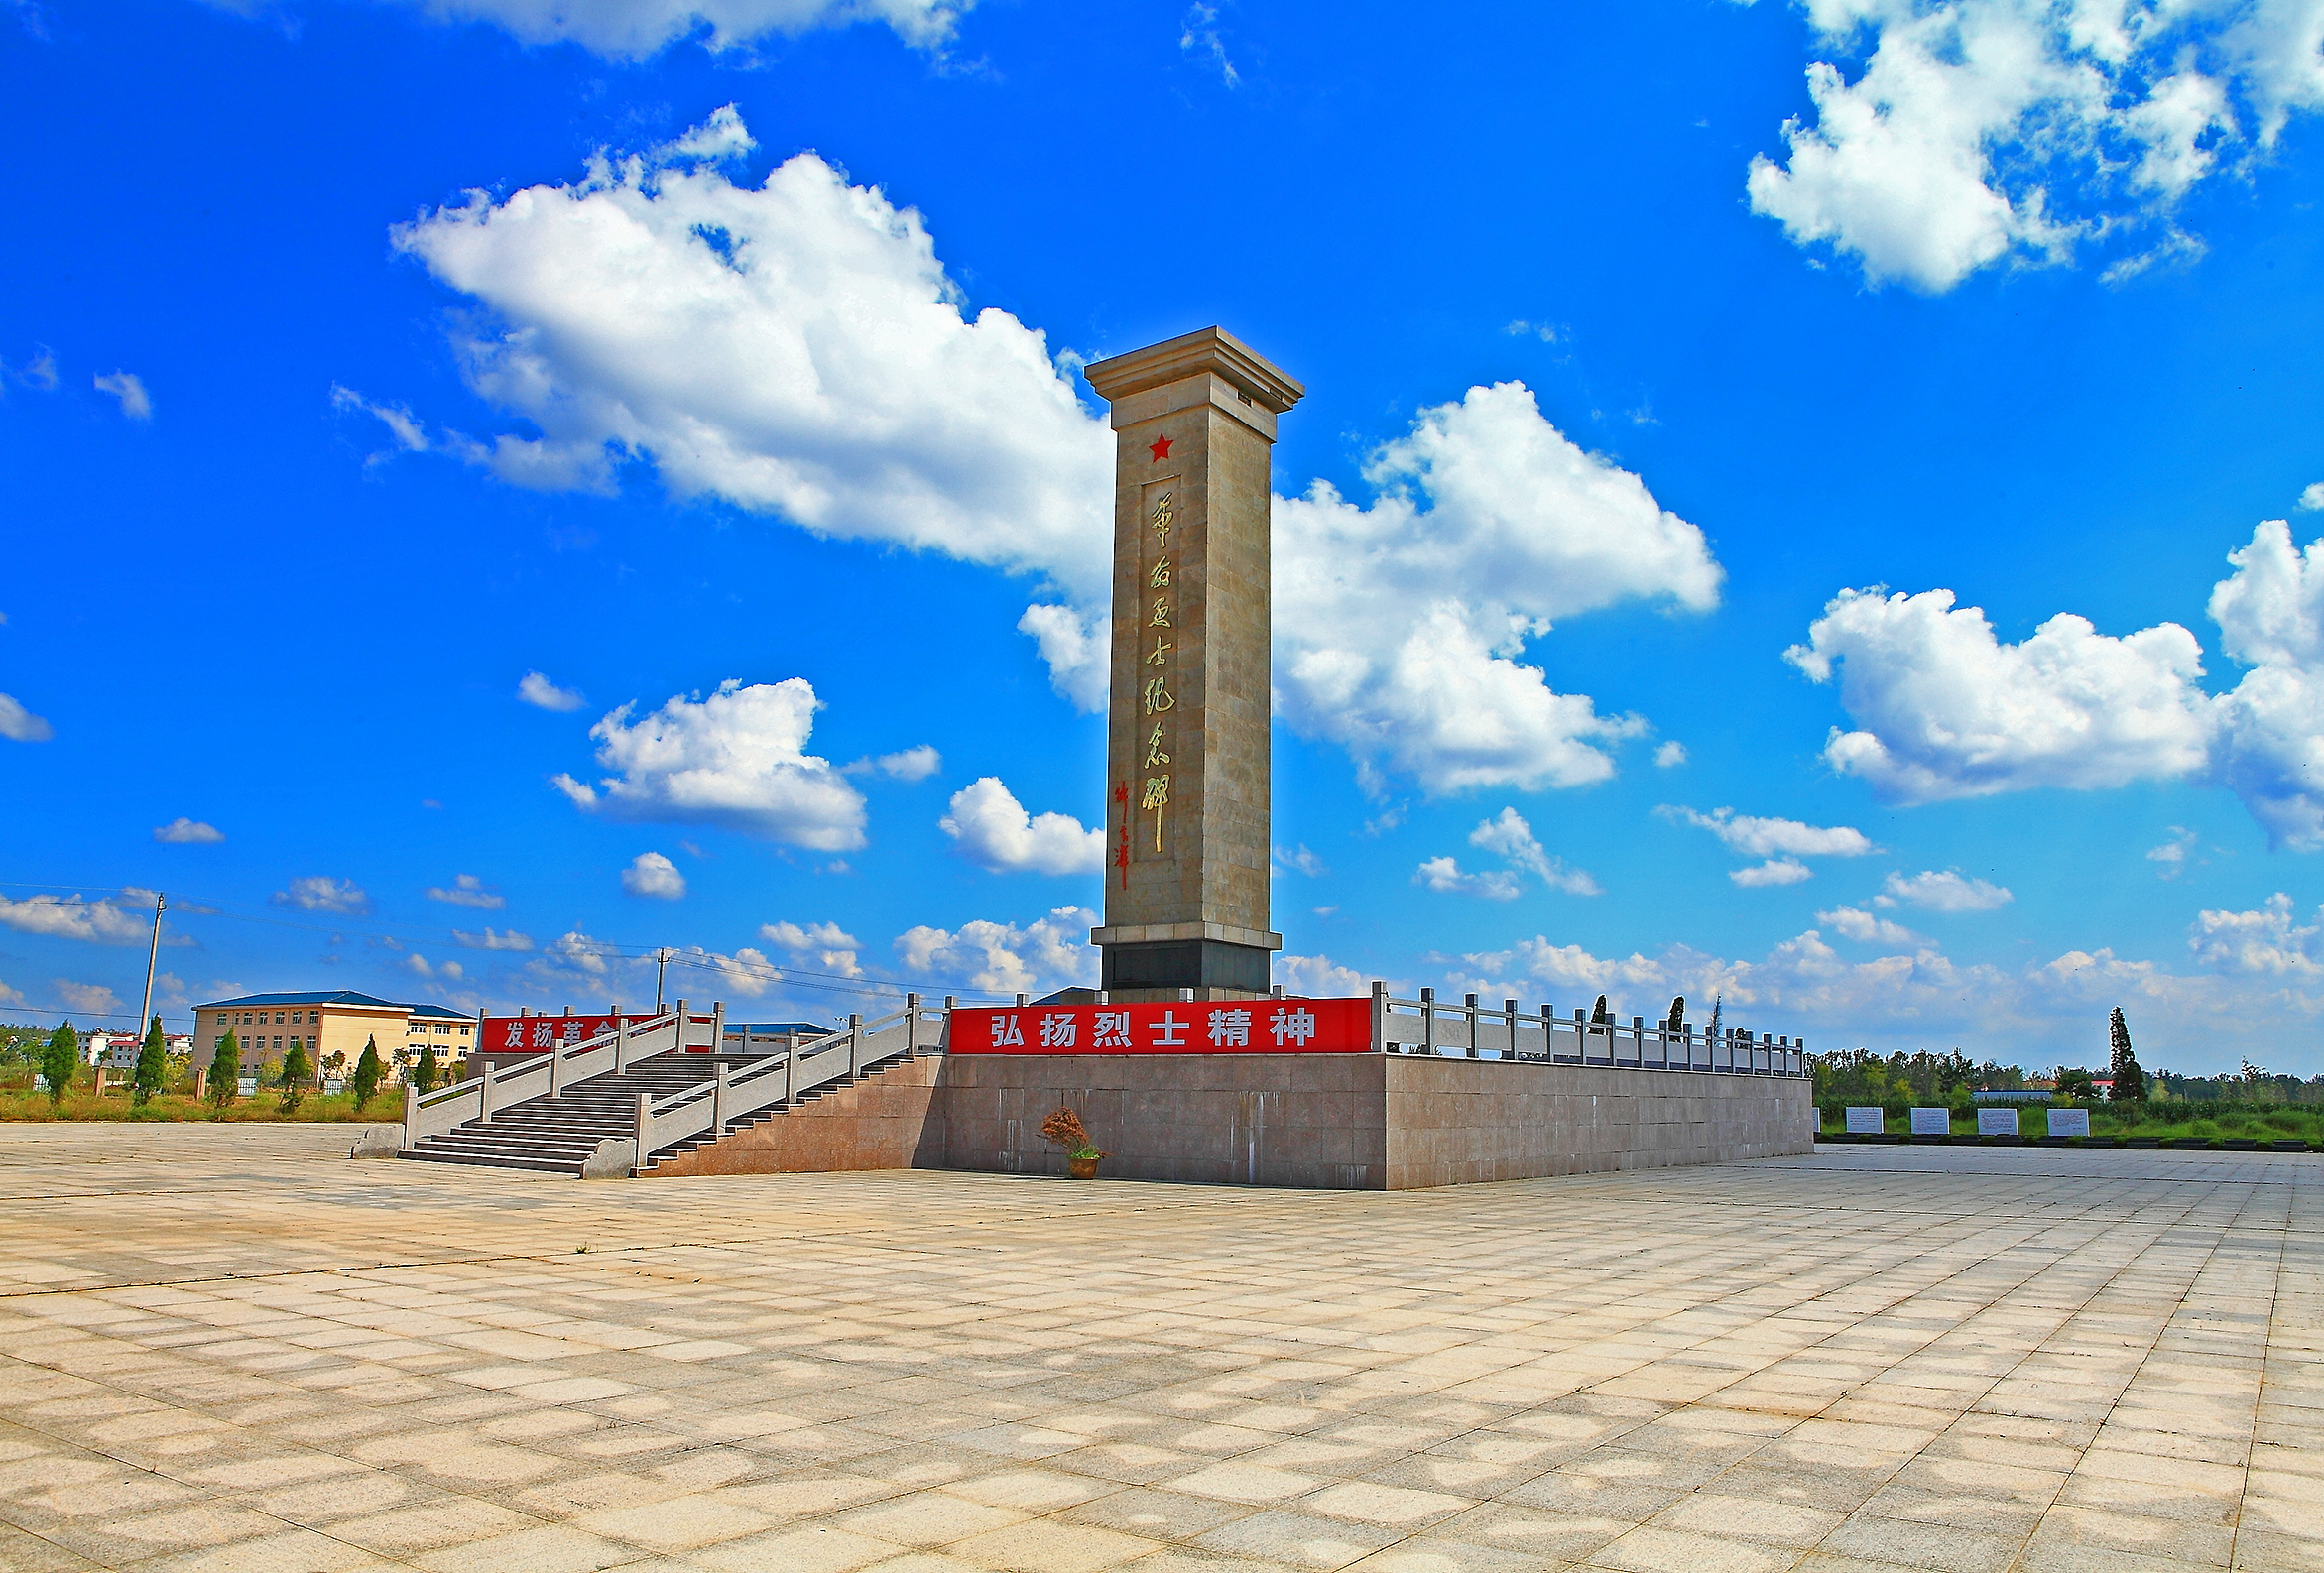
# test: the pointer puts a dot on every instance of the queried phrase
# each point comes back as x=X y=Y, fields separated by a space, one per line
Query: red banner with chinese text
x=538 y=1035
x=1200 y=1027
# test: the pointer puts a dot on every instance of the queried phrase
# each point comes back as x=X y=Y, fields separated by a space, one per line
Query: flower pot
x=1082 y=1168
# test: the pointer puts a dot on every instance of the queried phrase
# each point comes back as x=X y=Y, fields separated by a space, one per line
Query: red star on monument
x=1160 y=447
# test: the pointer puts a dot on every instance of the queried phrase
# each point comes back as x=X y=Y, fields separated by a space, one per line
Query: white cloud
x=1984 y=130
x=1198 y=39
x=405 y=428
x=1077 y=648
x=126 y=386
x=467 y=890
x=21 y=725
x=71 y=918
x=632 y=30
x=319 y=892
x=88 y=999
x=1399 y=628
x=1300 y=860
x=1444 y=874
x=991 y=829
x=1950 y=892
x=417 y=965
x=2312 y=498
x=1854 y=922
x=2271 y=744
x=1513 y=838
x=2266 y=942
x=652 y=874
x=746 y=972
x=1001 y=958
x=535 y=689
x=912 y=763
x=10 y=996
x=1945 y=710
x=1756 y=837
x=492 y=940
x=574 y=958
x=1775 y=871
x=734 y=760
x=1319 y=978
x=2172 y=853
x=1671 y=755
x=186 y=832
x=795 y=348
x=39 y=372
x=826 y=944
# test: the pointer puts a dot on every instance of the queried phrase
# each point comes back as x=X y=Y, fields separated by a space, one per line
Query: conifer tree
x=296 y=1073
x=60 y=1057
x=2129 y=1082
x=423 y=1074
x=368 y=1073
x=1677 y=1013
x=1601 y=1012
x=153 y=1066
x=225 y=1070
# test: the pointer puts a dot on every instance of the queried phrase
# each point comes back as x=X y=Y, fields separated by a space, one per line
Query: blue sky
x=493 y=489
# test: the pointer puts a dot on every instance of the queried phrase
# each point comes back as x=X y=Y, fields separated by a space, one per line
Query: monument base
x=1338 y=1122
x=1213 y=968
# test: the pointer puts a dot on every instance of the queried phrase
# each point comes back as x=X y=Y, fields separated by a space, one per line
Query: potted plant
x=1064 y=1128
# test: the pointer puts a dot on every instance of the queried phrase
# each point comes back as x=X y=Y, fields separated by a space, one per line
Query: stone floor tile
x=1289 y=1539
x=1047 y=1546
x=1748 y=1518
x=1651 y=1550
x=1907 y=1542
x=926 y=1518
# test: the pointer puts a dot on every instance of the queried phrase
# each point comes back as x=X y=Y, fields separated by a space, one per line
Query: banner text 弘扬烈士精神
x=1199 y=1027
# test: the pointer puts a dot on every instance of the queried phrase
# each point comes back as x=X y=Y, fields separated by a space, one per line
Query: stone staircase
x=555 y=1135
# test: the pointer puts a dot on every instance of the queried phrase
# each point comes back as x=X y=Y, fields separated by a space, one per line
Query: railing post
x=484 y=1097
x=1379 y=1018
x=911 y=1026
x=718 y=1104
x=620 y=1045
x=1428 y=1021
x=645 y=1122
x=854 y=1043
x=950 y=1000
x=719 y=1027
x=411 y=1112
x=555 y=1071
x=1549 y=1033
x=684 y=1022
x=1469 y=1004
x=1508 y=1009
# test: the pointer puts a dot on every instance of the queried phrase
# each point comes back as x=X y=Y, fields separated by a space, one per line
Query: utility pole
x=660 y=960
x=153 y=955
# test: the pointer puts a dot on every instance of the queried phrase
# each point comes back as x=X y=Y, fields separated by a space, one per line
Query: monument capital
x=1211 y=349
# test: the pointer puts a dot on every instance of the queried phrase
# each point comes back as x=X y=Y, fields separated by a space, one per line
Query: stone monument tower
x=1188 y=746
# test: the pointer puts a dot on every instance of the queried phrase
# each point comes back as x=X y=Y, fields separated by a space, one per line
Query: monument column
x=1187 y=741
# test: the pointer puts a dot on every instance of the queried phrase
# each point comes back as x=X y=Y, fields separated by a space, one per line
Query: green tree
x=295 y=1075
x=368 y=1073
x=60 y=1057
x=424 y=1073
x=225 y=1068
x=153 y=1066
x=2129 y=1082
x=2074 y=1084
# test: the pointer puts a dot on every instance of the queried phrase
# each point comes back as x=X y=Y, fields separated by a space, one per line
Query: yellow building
x=267 y=1025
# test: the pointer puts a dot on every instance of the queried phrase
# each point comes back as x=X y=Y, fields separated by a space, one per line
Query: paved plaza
x=228 y=1347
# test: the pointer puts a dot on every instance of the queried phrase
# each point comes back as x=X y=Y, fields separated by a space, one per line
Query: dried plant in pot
x=1065 y=1129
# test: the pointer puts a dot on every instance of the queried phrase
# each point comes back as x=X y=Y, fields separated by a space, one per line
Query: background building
x=266 y=1025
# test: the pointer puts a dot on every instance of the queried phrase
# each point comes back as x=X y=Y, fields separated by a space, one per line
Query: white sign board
x=246 y=1086
x=1866 y=1122
x=1996 y=1122
x=1932 y=1121
x=2069 y=1122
